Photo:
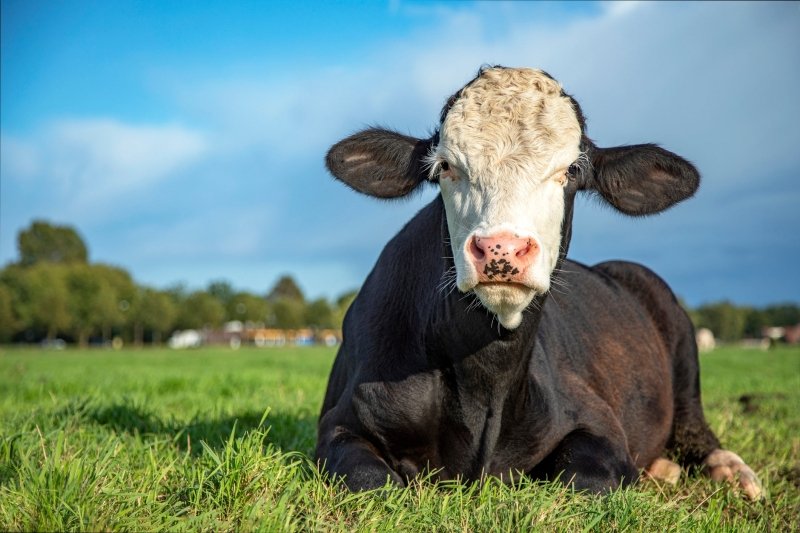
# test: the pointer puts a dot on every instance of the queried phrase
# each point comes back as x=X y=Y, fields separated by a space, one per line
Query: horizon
x=185 y=142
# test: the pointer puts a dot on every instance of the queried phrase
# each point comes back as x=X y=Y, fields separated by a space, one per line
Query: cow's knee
x=370 y=477
x=355 y=462
x=589 y=462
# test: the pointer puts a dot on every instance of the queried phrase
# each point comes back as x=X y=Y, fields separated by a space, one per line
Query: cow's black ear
x=642 y=179
x=379 y=162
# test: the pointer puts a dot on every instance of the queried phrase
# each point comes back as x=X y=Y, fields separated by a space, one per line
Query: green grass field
x=221 y=440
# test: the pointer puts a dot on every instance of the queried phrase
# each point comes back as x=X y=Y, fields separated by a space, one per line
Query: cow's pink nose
x=502 y=257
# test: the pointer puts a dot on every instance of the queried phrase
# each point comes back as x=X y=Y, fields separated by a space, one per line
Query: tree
x=200 y=310
x=93 y=303
x=13 y=280
x=155 y=312
x=43 y=241
x=178 y=292
x=754 y=322
x=288 y=314
x=125 y=292
x=39 y=299
x=222 y=291
x=318 y=314
x=782 y=315
x=723 y=318
x=288 y=304
x=285 y=289
x=8 y=320
x=247 y=307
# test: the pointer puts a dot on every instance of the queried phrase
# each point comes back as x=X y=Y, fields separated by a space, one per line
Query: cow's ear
x=642 y=179
x=379 y=162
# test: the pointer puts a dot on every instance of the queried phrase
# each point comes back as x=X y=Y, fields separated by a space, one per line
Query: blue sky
x=185 y=140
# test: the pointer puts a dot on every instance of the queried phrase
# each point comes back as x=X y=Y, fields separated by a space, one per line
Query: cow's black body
x=599 y=379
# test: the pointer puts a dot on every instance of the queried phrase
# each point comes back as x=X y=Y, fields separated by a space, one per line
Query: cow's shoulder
x=613 y=285
x=653 y=294
x=606 y=309
x=635 y=277
x=384 y=326
x=409 y=263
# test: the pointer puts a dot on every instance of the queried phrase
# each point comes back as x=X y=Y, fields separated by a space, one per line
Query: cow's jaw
x=506 y=301
x=505 y=146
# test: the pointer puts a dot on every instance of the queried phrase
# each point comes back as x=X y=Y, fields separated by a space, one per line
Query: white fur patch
x=508 y=141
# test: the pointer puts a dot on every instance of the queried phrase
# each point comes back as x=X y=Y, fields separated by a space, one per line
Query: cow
x=475 y=347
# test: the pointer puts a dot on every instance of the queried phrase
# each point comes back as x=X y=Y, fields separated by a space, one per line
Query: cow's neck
x=483 y=359
x=485 y=369
x=483 y=354
x=486 y=385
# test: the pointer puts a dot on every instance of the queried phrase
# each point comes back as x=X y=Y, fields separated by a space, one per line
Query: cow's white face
x=504 y=150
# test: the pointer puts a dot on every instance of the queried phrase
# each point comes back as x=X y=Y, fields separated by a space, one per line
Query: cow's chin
x=506 y=300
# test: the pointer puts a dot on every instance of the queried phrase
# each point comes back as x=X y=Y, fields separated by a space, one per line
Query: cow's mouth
x=505 y=284
x=506 y=300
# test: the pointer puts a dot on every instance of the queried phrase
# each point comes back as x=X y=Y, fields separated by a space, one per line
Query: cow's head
x=509 y=155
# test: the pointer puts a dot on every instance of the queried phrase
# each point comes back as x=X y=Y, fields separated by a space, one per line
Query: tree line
x=731 y=323
x=53 y=291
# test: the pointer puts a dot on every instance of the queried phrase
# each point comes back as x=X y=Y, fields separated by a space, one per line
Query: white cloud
x=18 y=159
x=226 y=232
x=94 y=164
x=620 y=7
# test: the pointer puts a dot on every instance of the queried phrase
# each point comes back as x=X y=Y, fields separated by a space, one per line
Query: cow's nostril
x=476 y=251
x=530 y=247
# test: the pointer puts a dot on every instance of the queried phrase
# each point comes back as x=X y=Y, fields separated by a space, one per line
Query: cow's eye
x=573 y=170
x=445 y=166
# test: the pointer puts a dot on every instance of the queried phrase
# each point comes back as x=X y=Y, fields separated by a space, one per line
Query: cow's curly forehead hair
x=494 y=71
x=507 y=117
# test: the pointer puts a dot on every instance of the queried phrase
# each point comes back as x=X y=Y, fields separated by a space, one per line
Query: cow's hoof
x=664 y=470
x=723 y=465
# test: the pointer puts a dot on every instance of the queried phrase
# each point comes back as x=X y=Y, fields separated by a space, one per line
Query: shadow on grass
x=286 y=431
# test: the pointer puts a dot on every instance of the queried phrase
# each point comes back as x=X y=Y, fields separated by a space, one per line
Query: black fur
x=600 y=378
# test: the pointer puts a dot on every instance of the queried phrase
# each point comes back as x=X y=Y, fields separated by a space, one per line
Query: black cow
x=458 y=358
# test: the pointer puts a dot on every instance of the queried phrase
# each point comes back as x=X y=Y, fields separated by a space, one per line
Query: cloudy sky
x=185 y=140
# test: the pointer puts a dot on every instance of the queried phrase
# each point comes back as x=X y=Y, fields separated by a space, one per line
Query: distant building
x=266 y=337
x=234 y=334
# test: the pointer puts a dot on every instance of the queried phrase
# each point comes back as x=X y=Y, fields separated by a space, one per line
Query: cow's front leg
x=588 y=462
x=356 y=461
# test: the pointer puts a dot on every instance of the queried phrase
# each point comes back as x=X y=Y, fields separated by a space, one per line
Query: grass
x=220 y=440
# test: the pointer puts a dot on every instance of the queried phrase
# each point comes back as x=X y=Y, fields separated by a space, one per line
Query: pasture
x=215 y=439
